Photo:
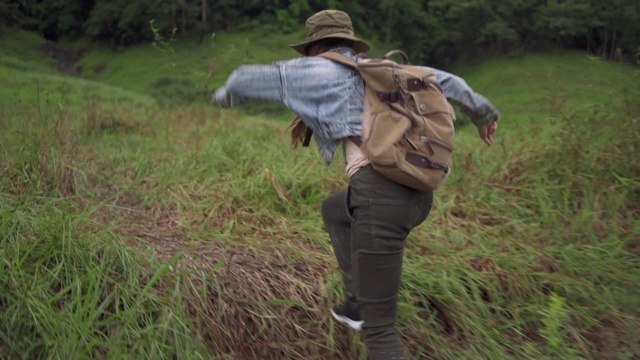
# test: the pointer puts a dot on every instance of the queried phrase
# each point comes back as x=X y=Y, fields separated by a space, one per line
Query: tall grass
x=541 y=247
x=194 y=232
x=70 y=287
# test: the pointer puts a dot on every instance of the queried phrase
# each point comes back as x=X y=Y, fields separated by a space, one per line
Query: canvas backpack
x=408 y=124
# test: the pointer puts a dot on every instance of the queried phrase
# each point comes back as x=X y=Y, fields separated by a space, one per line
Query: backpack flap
x=431 y=139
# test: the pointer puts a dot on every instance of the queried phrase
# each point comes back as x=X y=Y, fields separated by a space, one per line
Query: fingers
x=488 y=140
x=486 y=133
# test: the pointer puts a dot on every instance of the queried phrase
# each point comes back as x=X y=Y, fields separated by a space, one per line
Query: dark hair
x=331 y=43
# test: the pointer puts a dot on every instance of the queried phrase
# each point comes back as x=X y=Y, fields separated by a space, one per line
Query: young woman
x=368 y=222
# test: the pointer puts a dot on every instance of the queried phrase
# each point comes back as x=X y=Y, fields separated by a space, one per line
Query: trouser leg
x=338 y=224
x=383 y=213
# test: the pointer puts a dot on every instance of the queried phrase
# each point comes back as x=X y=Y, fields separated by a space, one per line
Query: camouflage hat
x=329 y=24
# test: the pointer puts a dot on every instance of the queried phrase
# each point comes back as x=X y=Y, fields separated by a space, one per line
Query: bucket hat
x=329 y=24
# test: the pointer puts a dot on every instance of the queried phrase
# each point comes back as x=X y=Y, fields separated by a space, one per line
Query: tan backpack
x=408 y=124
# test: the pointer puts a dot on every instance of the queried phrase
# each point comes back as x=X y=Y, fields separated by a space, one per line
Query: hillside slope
x=31 y=72
x=185 y=70
x=190 y=231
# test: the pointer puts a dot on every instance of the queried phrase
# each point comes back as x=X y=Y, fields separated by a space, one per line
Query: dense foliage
x=432 y=30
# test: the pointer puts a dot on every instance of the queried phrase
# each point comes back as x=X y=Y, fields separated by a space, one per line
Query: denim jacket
x=329 y=97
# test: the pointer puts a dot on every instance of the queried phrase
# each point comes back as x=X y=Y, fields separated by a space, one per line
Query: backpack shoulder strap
x=337 y=57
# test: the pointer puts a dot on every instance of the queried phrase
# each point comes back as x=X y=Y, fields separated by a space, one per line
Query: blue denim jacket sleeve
x=328 y=97
x=478 y=108
x=250 y=82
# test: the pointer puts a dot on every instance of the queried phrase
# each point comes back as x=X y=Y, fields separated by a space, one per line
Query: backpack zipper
x=439 y=143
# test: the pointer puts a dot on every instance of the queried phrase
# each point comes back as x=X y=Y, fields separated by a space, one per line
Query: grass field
x=139 y=221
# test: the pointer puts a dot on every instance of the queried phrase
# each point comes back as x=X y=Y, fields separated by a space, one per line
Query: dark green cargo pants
x=368 y=224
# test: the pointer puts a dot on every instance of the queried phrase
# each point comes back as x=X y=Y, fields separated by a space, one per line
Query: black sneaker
x=348 y=313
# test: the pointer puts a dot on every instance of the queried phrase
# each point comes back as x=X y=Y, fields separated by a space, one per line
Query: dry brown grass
x=253 y=300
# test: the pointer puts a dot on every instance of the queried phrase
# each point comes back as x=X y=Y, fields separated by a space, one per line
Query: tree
x=295 y=12
x=122 y=22
x=433 y=31
x=564 y=21
x=616 y=31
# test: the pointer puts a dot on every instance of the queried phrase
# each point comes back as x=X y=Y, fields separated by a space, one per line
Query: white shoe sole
x=355 y=325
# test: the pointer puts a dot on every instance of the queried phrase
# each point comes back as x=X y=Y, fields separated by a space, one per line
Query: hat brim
x=358 y=45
